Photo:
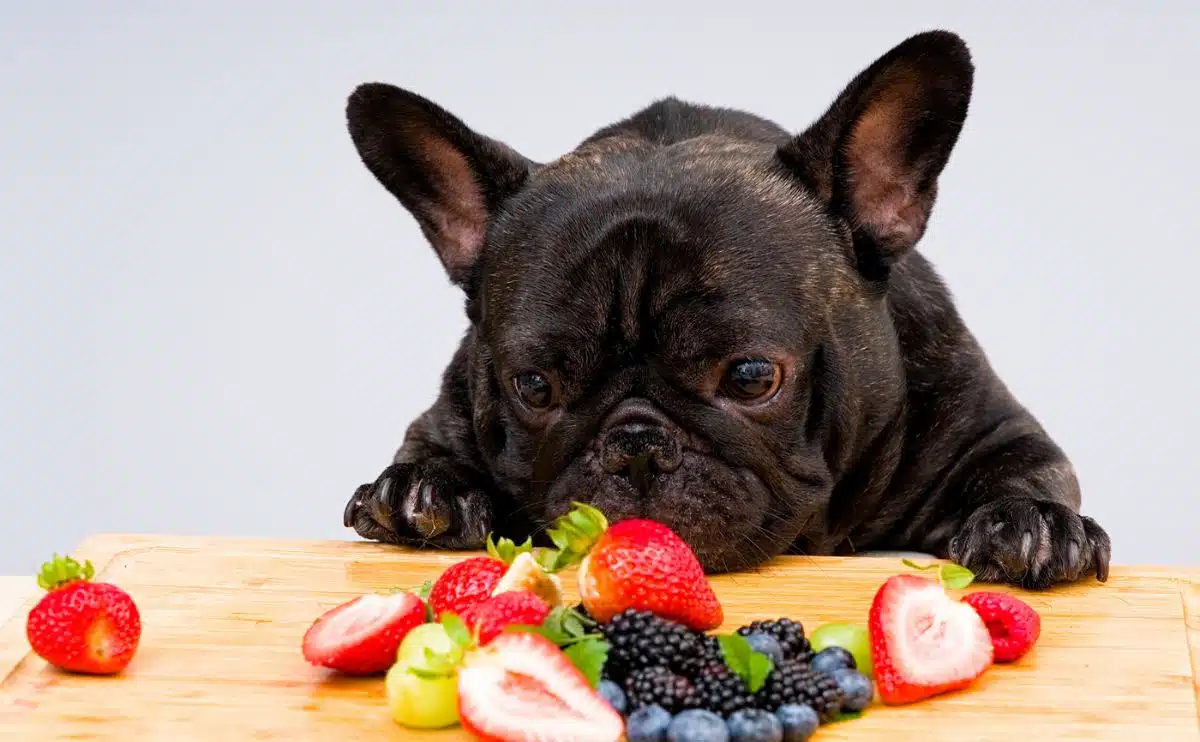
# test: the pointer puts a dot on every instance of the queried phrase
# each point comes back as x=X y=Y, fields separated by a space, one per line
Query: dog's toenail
x=350 y=511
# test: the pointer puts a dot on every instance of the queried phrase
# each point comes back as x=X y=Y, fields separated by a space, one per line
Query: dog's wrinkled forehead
x=625 y=243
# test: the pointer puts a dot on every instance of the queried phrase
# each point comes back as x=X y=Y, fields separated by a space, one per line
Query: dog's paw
x=429 y=503
x=1031 y=543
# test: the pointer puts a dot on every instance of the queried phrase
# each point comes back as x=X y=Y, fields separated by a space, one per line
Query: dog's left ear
x=451 y=178
x=875 y=156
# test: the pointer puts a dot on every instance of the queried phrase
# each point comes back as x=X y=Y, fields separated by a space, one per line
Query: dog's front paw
x=1031 y=543
x=427 y=503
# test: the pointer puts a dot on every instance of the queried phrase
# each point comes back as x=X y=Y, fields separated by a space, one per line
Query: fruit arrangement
x=491 y=646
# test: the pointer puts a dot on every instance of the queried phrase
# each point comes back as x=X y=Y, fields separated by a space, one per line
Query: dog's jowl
x=700 y=317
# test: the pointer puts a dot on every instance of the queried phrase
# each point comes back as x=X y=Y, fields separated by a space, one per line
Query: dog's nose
x=638 y=442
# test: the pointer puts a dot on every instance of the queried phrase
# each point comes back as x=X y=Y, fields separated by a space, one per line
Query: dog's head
x=685 y=318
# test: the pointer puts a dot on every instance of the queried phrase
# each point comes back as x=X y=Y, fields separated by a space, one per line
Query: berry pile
x=765 y=675
x=491 y=646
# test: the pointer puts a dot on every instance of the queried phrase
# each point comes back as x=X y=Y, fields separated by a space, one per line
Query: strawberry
x=362 y=636
x=521 y=687
x=1014 y=625
x=512 y=608
x=82 y=626
x=473 y=580
x=923 y=642
x=635 y=563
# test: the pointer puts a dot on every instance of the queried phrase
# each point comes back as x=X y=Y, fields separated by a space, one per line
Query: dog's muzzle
x=638 y=443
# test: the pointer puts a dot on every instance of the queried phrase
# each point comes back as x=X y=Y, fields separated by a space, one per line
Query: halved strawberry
x=521 y=687
x=362 y=636
x=923 y=642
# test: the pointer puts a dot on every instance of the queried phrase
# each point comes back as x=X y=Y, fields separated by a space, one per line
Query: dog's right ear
x=450 y=178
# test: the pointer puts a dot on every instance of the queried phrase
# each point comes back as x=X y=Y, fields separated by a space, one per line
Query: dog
x=699 y=317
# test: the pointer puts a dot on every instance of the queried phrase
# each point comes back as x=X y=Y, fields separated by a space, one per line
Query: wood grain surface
x=220 y=655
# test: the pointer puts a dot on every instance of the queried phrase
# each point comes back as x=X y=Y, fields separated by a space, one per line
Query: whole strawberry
x=465 y=583
x=1013 y=624
x=488 y=619
x=471 y=581
x=82 y=626
x=636 y=563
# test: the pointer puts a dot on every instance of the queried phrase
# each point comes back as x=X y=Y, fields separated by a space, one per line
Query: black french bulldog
x=698 y=317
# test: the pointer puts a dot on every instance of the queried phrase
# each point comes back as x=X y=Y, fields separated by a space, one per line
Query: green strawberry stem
x=63 y=570
x=505 y=550
x=574 y=535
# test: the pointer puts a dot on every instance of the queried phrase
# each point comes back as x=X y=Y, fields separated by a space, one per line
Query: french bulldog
x=699 y=317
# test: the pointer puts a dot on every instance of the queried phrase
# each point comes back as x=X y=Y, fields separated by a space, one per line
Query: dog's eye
x=534 y=390
x=750 y=379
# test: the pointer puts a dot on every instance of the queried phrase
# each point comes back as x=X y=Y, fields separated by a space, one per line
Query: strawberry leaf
x=846 y=716
x=564 y=626
x=914 y=565
x=456 y=629
x=956 y=577
x=560 y=538
x=578 y=530
x=589 y=655
x=751 y=666
x=61 y=570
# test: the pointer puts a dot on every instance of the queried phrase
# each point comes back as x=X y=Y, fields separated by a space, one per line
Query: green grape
x=853 y=638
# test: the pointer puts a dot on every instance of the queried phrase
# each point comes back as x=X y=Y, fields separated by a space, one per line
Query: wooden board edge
x=1189 y=595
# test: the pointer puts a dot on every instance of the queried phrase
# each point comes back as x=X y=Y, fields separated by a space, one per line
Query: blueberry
x=831 y=659
x=799 y=721
x=647 y=724
x=612 y=693
x=697 y=725
x=857 y=689
x=755 y=725
x=766 y=644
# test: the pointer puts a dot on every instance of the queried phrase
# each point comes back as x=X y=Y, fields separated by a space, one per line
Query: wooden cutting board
x=220 y=656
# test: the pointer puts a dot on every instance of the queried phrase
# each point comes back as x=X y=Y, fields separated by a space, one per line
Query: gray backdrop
x=216 y=322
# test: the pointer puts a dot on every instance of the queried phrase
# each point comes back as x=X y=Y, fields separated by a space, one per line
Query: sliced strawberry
x=362 y=636
x=1013 y=624
x=516 y=607
x=923 y=642
x=521 y=687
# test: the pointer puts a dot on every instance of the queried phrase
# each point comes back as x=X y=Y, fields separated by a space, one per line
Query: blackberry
x=640 y=639
x=794 y=682
x=719 y=690
x=707 y=652
x=658 y=686
x=789 y=634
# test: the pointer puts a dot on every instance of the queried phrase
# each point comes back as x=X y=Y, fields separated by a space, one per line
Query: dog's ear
x=875 y=156
x=449 y=177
